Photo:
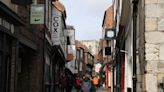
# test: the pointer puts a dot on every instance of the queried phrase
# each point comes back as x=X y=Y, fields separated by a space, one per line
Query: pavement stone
x=99 y=90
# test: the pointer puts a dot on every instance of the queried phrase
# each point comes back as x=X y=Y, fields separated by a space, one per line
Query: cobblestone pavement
x=102 y=90
x=99 y=90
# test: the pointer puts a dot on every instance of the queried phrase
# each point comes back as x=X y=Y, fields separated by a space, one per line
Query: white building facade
x=92 y=45
x=142 y=36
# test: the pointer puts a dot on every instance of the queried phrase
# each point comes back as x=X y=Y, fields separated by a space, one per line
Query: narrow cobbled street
x=81 y=45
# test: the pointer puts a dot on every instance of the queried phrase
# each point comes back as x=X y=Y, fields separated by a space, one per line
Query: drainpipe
x=44 y=47
x=135 y=4
x=113 y=76
x=118 y=73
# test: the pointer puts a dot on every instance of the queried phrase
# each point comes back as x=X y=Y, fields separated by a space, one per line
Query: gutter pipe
x=135 y=4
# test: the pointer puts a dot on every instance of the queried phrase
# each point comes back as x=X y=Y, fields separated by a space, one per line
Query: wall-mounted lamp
x=110 y=34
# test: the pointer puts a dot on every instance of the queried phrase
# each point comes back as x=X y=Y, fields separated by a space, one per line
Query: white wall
x=71 y=64
x=128 y=61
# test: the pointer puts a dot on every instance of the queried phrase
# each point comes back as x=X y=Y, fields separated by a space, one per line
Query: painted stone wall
x=154 y=37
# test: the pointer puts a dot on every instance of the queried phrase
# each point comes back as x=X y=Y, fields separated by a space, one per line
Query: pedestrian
x=69 y=82
x=103 y=80
x=95 y=81
x=93 y=88
x=62 y=82
x=78 y=83
x=86 y=84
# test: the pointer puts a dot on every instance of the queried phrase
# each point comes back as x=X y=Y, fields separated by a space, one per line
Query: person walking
x=78 y=83
x=69 y=81
x=95 y=81
x=103 y=80
x=86 y=84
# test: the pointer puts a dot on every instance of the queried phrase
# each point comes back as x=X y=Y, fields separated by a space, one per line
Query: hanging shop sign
x=71 y=34
x=57 y=30
x=37 y=14
x=56 y=27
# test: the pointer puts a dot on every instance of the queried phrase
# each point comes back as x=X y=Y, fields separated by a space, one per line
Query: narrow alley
x=81 y=45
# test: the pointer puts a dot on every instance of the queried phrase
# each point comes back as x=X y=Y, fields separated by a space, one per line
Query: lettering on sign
x=55 y=23
x=37 y=14
x=56 y=27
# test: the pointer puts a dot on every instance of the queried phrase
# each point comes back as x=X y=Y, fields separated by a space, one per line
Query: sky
x=86 y=16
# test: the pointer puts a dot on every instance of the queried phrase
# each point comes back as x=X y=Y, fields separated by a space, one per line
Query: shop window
x=5 y=51
x=19 y=65
x=0 y=59
x=47 y=74
x=1 y=40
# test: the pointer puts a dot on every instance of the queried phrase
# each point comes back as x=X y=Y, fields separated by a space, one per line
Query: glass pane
x=0 y=59
x=1 y=40
x=8 y=44
x=1 y=87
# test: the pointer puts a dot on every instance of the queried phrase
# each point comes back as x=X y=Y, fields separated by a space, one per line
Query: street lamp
x=110 y=34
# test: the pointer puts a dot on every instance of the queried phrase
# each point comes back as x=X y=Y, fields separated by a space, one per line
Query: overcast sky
x=86 y=16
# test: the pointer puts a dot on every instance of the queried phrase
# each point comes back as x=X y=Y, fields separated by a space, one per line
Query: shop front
x=7 y=45
x=5 y=60
x=58 y=69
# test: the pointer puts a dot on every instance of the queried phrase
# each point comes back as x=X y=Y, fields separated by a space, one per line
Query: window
x=19 y=65
x=4 y=61
x=47 y=74
x=0 y=59
x=1 y=41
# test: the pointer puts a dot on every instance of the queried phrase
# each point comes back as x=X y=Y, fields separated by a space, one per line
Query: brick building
x=107 y=60
x=21 y=50
x=30 y=61
x=85 y=58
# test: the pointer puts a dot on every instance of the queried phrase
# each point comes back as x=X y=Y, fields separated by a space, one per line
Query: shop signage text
x=37 y=14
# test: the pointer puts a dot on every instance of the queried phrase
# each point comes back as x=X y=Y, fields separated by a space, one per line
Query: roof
x=79 y=44
x=58 y=5
x=108 y=18
x=69 y=27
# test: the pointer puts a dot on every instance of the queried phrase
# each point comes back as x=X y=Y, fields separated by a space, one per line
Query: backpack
x=86 y=86
x=78 y=82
